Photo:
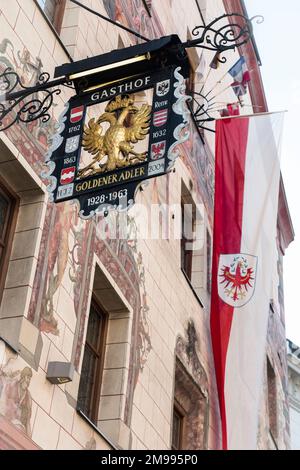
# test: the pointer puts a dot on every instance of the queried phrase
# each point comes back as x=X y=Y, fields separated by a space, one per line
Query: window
x=272 y=400
x=177 y=428
x=186 y=240
x=189 y=426
x=92 y=365
x=208 y=261
x=188 y=216
x=8 y=206
x=54 y=10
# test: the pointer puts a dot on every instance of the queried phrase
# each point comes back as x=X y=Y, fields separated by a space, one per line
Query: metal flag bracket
x=21 y=104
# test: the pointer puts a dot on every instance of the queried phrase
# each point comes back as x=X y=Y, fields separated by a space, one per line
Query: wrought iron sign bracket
x=220 y=37
x=13 y=108
x=21 y=104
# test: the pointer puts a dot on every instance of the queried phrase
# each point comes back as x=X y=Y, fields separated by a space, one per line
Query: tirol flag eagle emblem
x=158 y=150
x=236 y=278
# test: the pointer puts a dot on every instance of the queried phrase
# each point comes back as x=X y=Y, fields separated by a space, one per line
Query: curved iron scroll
x=220 y=37
x=14 y=105
x=19 y=103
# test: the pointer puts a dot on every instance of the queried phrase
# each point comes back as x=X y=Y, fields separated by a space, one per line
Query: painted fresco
x=66 y=241
x=133 y=14
x=30 y=139
x=200 y=162
x=15 y=397
x=63 y=274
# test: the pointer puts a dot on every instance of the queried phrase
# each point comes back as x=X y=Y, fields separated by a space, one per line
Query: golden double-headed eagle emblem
x=128 y=124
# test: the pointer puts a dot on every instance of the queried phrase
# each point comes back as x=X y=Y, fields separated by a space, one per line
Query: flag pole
x=219 y=82
x=218 y=94
x=206 y=78
x=251 y=115
x=245 y=106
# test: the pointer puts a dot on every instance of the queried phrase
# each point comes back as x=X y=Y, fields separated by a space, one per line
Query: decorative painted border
x=181 y=133
x=56 y=141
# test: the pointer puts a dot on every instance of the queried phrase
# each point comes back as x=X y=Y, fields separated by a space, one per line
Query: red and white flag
x=246 y=205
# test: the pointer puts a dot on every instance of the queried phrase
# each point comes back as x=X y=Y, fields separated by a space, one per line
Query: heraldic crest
x=236 y=278
x=115 y=149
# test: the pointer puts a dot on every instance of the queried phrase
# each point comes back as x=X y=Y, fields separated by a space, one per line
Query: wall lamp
x=60 y=372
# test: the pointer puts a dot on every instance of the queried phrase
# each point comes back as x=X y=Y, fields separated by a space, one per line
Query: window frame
x=209 y=254
x=186 y=255
x=59 y=15
x=56 y=23
x=272 y=400
x=99 y=368
x=9 y=230
x=179 y=411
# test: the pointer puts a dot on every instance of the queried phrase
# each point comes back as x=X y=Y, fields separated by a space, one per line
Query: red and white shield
x=160 y=118
x=158 y=150
x=76 y=114
x=67 y=175
x=236 y=278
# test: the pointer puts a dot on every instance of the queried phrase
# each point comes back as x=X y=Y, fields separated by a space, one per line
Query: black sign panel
x=112 y=138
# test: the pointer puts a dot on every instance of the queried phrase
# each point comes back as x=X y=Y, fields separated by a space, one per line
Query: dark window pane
x=177 y=430
x=4 y=207
x=91 y=372
x=208 y=260
x=49 y=8
x=188 y=223
x=87 y=381
x=93 y=332
x=272 y=399
x=7 y=220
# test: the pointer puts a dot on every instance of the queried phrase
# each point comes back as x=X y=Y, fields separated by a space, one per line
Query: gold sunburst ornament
x=115 y=149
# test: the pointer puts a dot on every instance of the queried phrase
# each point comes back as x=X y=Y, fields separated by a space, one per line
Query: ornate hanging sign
x=114 y=137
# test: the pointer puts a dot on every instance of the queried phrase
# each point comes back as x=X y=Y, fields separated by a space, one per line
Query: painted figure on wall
x=15 y=398
x=58 y=252
x=133 y=13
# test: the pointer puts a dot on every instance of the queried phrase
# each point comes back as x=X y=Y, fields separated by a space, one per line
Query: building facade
x=293 y=354
x=130 y=314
